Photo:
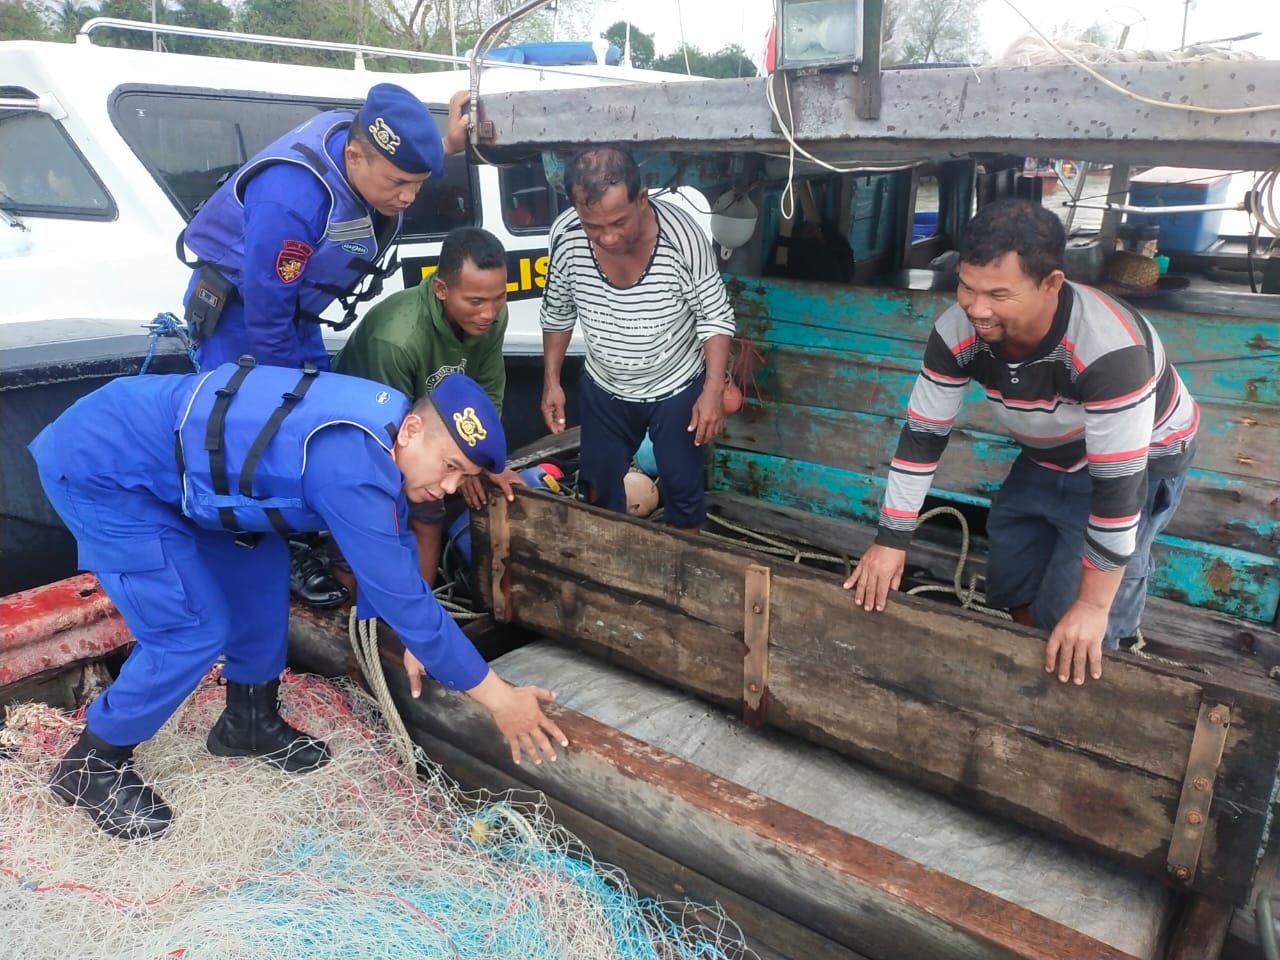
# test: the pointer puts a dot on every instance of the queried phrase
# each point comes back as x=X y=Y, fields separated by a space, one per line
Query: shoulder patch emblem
x=469 y=427
x=384 y=136
x=292 y=260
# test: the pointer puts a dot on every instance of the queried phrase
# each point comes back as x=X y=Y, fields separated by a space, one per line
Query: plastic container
x=1176 y=186
x=924 y=225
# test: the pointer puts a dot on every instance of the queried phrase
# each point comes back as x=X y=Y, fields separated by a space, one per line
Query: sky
x=1155 y=24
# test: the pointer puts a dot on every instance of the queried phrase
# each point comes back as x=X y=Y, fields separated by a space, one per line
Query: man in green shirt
x=453 y=322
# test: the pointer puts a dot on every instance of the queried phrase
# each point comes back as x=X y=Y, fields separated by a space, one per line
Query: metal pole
x=453 y=31
x=155 y=37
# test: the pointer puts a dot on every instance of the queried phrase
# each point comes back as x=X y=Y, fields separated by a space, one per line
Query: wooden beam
x=1196 y=638
x=925 y=113
x=942 y=698
x=668 y=881
x=858 y=894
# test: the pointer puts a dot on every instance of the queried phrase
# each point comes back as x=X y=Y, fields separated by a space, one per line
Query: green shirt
x=406 y=343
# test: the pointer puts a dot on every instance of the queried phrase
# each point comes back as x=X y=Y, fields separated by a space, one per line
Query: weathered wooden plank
x=1201 y=932
x=1231 y=358
x=854 y=892
x=818 y=375
x=1236 y=437
x=768 y=932
x=923 y=113
x=641 y=591
x=1172 y=630
x=976 y=463
x=912 y=733
x=1204 y=575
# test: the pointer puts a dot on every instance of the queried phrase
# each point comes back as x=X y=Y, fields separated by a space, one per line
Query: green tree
x=641 y=44
x=207 y=15
x=937 y=31
x=729 y=61
x=68 y=16
x=128 y=10
x=23 y=20
x=338 y=21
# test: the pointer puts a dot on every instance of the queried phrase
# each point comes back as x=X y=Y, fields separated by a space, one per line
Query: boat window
x=191 y=143
x=442 y=204
x=43 y=175
x=529 y=204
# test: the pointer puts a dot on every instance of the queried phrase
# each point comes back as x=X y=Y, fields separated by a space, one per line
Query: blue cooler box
x=1175 y=186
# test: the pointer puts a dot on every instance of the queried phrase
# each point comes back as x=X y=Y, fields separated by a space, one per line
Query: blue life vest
x=350 y=249
x=242 y=441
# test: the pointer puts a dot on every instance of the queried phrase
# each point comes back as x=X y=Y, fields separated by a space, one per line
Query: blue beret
x=472 y=420
x=401 y=128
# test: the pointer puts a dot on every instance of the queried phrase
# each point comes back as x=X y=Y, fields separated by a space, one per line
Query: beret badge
x=384 y=136
x=468 y=426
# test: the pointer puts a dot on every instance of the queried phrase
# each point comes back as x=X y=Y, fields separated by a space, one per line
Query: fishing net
x=356 y=860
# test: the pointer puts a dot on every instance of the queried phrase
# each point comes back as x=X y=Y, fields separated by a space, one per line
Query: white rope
x=364 y=643
x=1264 y=208
x=1150 y=101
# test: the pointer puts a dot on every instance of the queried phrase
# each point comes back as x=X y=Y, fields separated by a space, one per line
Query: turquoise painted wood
x=1230 y=358
x=1227 y=511
x=1234 y=582
x=839 y=364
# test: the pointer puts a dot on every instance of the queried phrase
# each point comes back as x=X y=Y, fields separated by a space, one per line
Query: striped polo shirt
x=1098 y=393
x=644 y=342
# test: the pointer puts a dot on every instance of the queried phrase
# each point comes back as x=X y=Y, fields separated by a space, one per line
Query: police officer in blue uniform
x=308 y=220
x=188 y=541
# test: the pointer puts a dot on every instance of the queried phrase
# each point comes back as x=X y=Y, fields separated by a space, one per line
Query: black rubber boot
x=310 y=579
x=251 y=726
x=97 y=777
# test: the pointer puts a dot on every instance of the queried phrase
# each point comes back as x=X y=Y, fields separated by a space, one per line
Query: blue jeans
x=612 y=430
x=1036 y=531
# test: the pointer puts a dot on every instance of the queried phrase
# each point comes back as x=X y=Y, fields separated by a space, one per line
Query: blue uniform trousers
x=187 y=594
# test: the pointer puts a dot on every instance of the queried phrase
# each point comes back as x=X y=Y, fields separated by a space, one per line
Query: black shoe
x=310 y=580
x=251 y=726
x=97 y=777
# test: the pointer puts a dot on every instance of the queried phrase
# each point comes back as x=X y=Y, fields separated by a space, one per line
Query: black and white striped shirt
x=644 y=342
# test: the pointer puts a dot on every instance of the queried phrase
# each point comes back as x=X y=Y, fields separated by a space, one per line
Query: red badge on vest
x=292 y=260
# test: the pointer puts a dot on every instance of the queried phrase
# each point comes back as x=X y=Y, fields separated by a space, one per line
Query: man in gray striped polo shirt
x=641 y=280
x=1106 y=427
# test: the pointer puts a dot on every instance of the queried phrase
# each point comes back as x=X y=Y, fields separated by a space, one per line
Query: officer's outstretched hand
x=518 y=713
x=878 y=572
x=416 y=671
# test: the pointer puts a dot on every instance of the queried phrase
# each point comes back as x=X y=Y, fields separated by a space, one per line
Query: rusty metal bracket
x=1192 y=820
x=500 y=557
x=755 y=634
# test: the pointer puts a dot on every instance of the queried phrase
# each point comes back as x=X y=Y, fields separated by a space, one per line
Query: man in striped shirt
x=1106 y=428
x=641 y=280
